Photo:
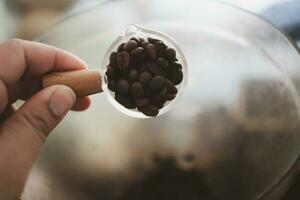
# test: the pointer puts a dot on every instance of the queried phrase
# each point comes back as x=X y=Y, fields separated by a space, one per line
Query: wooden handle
x=82 y=82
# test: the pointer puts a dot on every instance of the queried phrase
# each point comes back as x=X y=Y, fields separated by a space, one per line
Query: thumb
x=23 y=133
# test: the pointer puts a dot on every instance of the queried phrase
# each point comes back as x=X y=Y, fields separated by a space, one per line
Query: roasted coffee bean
x=160 y=48
x=113 y=59
x=132 y=75
x=130 y=45
x=163 y=63
x=144 y=44
x=110 y=71
x=151 y=52
x=141 y=40
x=152 y=40
x=170 y=97
x=111 y=85
x=179 y=77
x=150 y=110
x=142 y=67
x=155 y=99
x=122 y=87
x=135 y=39
x=157 y=82
x=125 y=101
x=137 y=90
x=137 y=52
x=161 y=104
x=171 y=89
x=170 y=54
x=140 y=103
x=121 y=74
x=176 y=65
x=148 y=92
x=123 y=60
x=145 y=78
x=121 y=47
x=163 y=92
x=155 y=69
x=176 y=76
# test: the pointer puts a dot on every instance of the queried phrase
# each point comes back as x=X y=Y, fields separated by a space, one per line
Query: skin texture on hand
x=23 y=131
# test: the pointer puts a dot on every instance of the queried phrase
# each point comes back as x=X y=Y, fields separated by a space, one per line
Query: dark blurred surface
x=294 y=191
x=286 y=16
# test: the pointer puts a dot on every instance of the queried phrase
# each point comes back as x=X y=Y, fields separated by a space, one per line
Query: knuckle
x=15 y=42
x=36 y=122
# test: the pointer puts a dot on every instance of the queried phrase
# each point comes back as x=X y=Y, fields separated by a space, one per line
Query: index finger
x=18 y=57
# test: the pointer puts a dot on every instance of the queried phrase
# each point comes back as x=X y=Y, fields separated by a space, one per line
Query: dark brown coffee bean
x=141 y=40
x=137 y=52
x=152 y=40
x=121 y=47
x=123 y=60
x=144 y=44
x=132 y=75
x=125 y=101
x=122 y=87
x=163 y=63
x=141 y=102
x=170 y=54
x=148 y=92
x=135 y=39
x=111 y=85
x=163 y=92
x=145 y=78
x=161 y=103
x=113 y=59
x=130 y=45
x=121 y=74
x=155 y=69
x=137 y=90
x=110 y=71
x=176 y=65
x=170 y=97
x=150 y=110
x=142 y=67
x=150 y=49
x=160 y=48
x=155 y=99
x=171 y=89
x=176 y=76
x=179 y=77
x=157 y=82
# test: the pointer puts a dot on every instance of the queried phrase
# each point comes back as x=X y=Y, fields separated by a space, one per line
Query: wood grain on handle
x=82 y=82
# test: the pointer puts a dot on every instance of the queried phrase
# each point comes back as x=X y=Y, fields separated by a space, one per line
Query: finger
x=3 y=96
x=22 y=134
x=82 y=103
x=7 y=113
x=19 y=56
x=26 y=89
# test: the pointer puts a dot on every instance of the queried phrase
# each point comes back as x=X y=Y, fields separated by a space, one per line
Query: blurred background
x=28 y=18
x=79 y=163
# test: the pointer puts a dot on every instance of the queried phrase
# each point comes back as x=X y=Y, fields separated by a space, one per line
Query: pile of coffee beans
x=143 y=74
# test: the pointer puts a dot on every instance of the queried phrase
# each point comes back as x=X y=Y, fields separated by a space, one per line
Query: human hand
x=23 y=131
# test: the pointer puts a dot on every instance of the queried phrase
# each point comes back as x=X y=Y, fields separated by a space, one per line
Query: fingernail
x=61 y=101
